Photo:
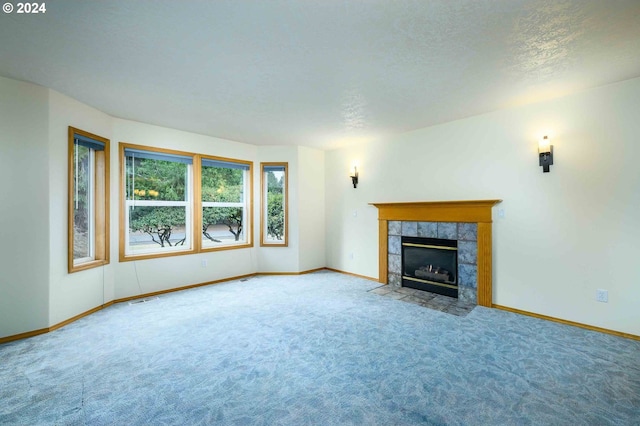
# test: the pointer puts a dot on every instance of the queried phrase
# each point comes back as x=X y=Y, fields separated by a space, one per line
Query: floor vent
x=145 y=300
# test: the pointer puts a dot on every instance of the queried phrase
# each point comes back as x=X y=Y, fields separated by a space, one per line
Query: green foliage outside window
x=222 y=185
x=167 y=181
x=158 y=222
x=275 y=205
x=156 y=180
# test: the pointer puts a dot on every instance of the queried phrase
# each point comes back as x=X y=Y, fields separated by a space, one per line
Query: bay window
x=176 y=203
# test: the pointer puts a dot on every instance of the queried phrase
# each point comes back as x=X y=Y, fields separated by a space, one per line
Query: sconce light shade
x=545 y=152
x=354 y=176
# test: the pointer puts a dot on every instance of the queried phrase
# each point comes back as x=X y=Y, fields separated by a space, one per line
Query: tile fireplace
x=465 y=225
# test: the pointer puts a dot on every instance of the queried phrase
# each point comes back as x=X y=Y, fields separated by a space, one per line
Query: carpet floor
x=316 y=349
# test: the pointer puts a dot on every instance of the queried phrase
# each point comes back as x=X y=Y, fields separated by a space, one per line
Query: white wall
x=24 y=208
x=351 y=223
x=565 y=233
x=311 y=207
x=71 y=294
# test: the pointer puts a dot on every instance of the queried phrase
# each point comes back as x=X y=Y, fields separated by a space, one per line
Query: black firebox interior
x=430 y=264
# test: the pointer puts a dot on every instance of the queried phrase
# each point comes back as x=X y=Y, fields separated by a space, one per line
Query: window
x=88 y=201
x=157 y=204
x=226 y=208
x=180 y=203
x=274 y=204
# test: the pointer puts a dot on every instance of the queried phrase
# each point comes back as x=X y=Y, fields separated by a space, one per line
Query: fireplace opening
x=430 y=264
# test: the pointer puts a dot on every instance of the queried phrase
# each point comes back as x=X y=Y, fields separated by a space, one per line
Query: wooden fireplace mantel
x=471 y=211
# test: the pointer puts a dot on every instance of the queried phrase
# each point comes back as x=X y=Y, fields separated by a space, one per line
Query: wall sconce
x=353 y=174
x=545 y=151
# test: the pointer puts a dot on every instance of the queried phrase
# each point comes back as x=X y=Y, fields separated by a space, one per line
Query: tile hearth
x=449 y=305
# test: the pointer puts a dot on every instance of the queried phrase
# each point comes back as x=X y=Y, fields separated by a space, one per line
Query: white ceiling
x=318 y=73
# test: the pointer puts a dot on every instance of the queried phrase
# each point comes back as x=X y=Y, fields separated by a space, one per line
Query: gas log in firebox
x=430 y=264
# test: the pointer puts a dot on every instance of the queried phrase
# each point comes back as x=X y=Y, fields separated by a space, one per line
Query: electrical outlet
x=203 y=263
x=602 y=295
x=351 y=256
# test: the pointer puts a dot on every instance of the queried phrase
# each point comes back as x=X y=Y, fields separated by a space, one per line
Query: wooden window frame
x=101 y=200
x=123 y=228
x=194 y=198
x=263 y=205
x=248 y=205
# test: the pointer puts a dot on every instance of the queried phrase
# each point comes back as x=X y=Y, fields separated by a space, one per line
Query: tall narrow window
x=274 y=200
x=158 y=209
x=88 y=201
x=226 y=207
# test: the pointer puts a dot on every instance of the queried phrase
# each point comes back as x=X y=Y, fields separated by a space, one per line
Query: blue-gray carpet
x=315 y=349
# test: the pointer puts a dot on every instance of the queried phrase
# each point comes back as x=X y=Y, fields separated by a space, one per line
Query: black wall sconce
x=545 y=152
x=354 y=176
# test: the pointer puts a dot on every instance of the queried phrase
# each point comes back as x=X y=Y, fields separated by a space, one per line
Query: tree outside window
x=158 y=207
x=179 y=203
x=225 y=192
x=88 y=200
x=274 y=199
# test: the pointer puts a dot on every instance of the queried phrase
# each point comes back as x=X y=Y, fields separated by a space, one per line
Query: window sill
x=87 y=265
x=226 y=247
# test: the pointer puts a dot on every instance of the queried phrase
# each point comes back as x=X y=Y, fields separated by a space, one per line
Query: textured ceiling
x=318 y=73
